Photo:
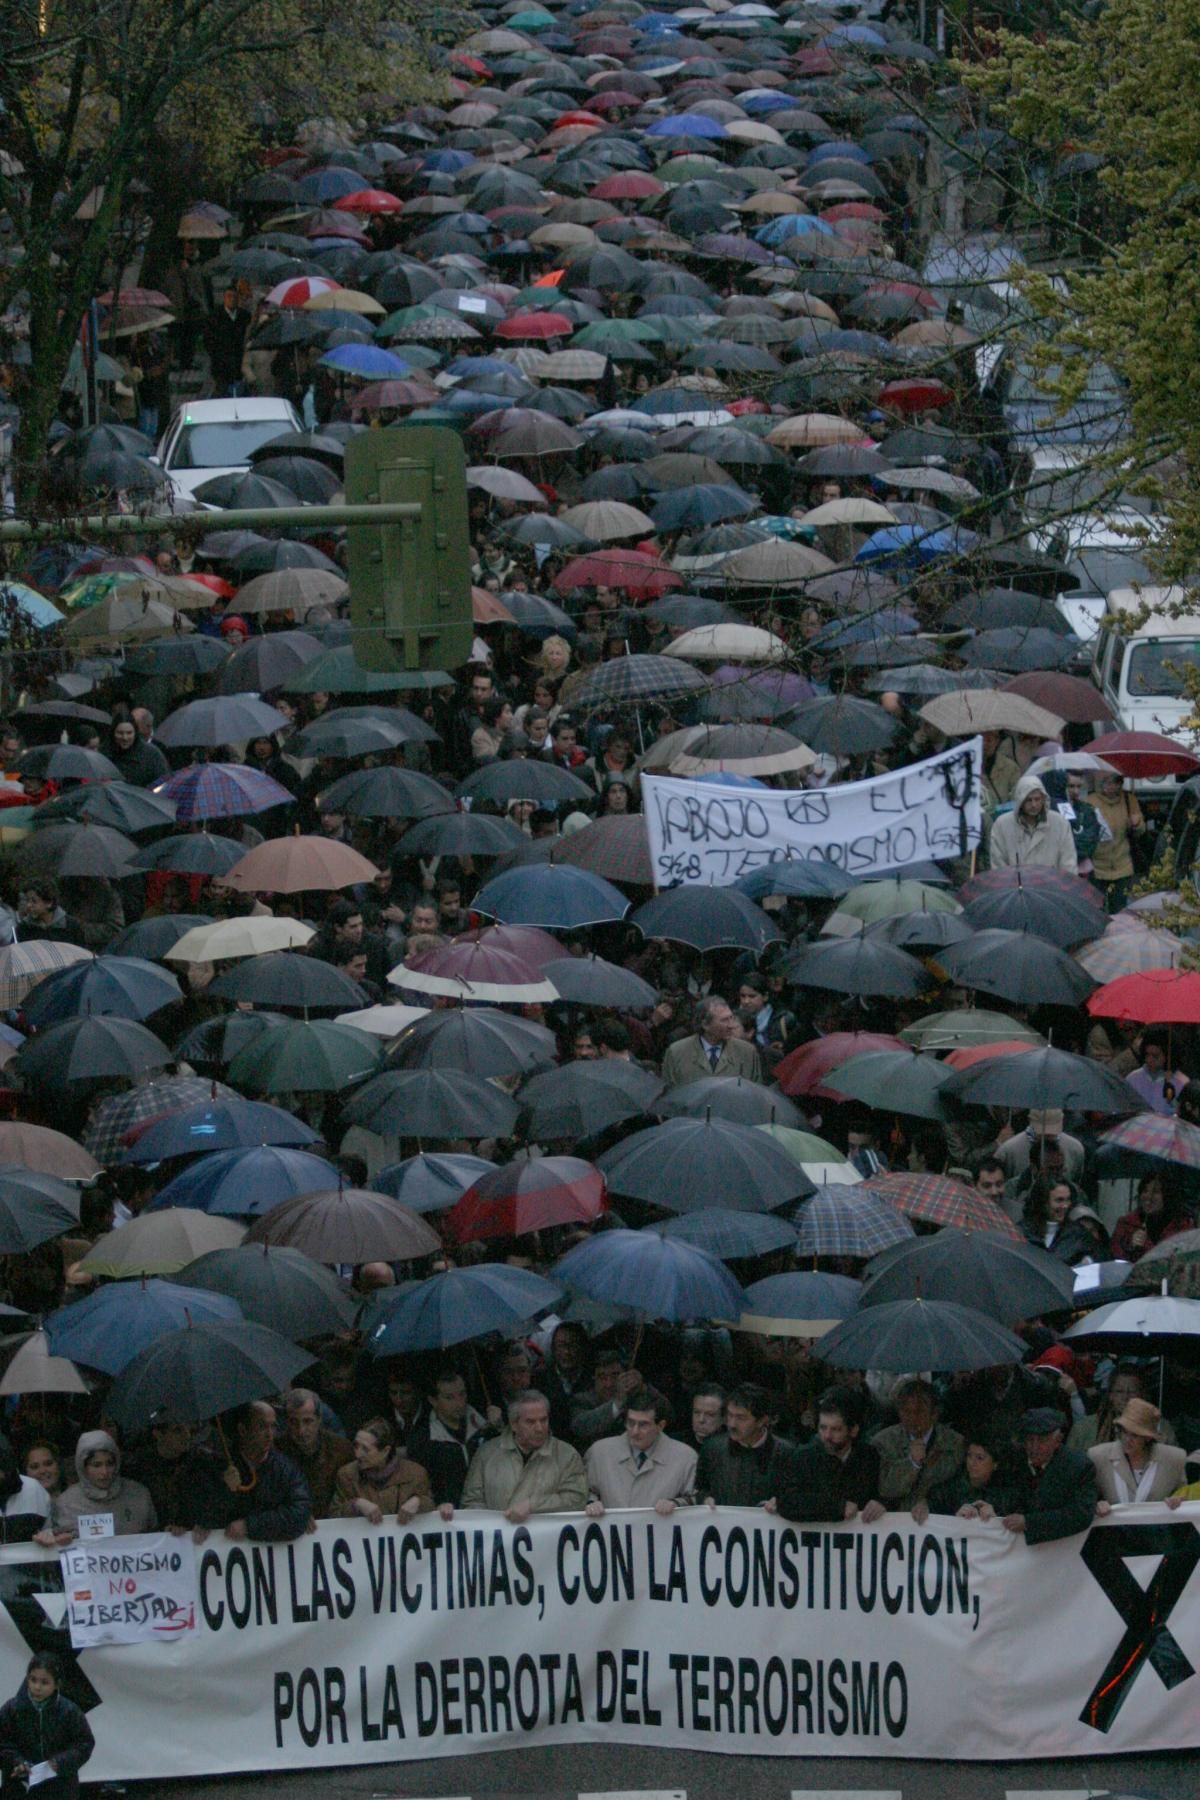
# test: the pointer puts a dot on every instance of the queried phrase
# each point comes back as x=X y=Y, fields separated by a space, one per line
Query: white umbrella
x=228 y=938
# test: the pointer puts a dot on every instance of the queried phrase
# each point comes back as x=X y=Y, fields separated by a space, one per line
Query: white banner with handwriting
x=710 y=836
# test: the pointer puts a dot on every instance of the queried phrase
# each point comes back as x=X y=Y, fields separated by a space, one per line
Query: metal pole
x=246 y=518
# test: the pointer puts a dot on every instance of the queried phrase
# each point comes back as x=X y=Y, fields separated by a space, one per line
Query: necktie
x=642 y=1458
x=714 y=1056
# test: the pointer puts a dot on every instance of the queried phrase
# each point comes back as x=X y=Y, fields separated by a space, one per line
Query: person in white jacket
x=1032 y=835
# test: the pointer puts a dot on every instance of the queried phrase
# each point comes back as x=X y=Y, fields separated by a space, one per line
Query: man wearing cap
x=1137 y=1465
x=1056 y=1486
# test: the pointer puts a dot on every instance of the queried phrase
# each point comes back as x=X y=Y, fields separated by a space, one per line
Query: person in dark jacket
x=450 y=1434
x=258 y=1494
x=40 y=1725
x=746 y=1464
x=835 y=1477
x=1056 y=1487
x=137 y=760
x=984 y=1487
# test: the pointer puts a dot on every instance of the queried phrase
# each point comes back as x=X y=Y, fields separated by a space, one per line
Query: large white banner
x=710 y=836
x=730 y=1631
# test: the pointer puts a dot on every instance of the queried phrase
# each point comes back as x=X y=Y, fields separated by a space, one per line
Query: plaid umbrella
x=1156 y=1135
x=615 y=847
x=1125 y=951
x=846 y=1221
x=222 y=791
x=938 y=1200
x=22 y=966
x=118 y=1115
x=639 y=677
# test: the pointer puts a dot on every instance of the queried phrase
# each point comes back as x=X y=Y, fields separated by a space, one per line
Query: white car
x=207 y=438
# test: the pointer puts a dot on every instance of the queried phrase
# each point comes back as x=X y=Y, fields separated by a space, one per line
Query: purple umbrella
x=222 y=791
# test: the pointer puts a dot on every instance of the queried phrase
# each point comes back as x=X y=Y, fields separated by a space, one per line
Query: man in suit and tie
x=712 y=1049
x=1056 y=1486
x=643 y=1467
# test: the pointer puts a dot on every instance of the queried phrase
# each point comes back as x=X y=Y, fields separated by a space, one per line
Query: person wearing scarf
x=380 y=1480
x=101 y=1488
x=40 y=1725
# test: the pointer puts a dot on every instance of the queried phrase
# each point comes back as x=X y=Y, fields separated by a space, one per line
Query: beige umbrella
x=815 y=431
x=562 y=235
x=850 y=511
x=200 y=225
x=497 y=43
x=930 y=481
x=382 y=1021
x=727 y=643
x=965 y=711
x=46 y=1152
x=33 y=1370
x=776 y=564
x=348 y=300
x=22 y=966
x=752 y=131
x=229 y=938
x=297 y=865
x=771 y=202
x=160 y=1243
x=608 y=521
x=501 y=484
x=936 y=334
x=569 y=365
x=809 y=306
x=122 y=620
x=292 y=590
x=737 y=749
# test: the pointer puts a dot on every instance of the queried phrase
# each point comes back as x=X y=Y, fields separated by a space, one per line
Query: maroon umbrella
x=1072 y=699
x=803 y=1070
x=1049 y=882
x=615 y=847
x=530 y=943
x=529 y=1196
x=474 y=971
x=1144 y=755
x=347 y=1225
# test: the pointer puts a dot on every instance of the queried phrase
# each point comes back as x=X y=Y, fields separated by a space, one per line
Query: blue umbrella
x=330 y=183
x=810 y=880
x=110 y=1327
x=460 y=1305
x=218 y=1125
x=152 y=937
x=707 y=918
x=804 y=1303
x=687 y=125
x=793 y=225
x=857 y=34
x=656 y=1277
x=843 y=149
x=692 y=508
x=366 y=359
x=429 y=1183
x=726 y=778
x=558 y=898
x=244 y=1184
x=447 y=162
x=28 y=604
x=915 y=544
x=730 y=1235
x=122 y=987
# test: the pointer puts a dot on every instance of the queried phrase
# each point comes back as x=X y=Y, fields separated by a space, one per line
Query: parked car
x=1142 y=654
x=206 y=438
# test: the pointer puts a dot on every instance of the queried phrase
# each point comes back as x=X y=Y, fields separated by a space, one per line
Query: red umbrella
x=1144 y=755
x=939 y=1200
x=628 y=186
x=535 y=325
x=915 y=396
x=975 y=1053
x=576 y=118
x=213 y=583
x=612 y=101
x=134 y=297
x=473 y=63
x=921 y=295
x=529 y=1196
x=640 y=575
x=802 y=1071
x=854 y=209
x=1152 y=997
x=381 y=396
x=534 y=946
x=1074 y=700
x=369 y=200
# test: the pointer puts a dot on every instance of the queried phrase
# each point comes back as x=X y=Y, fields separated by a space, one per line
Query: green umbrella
x=898 y=1081
x=804 y=1147
x=305 y=1056
x=968 y=1026
x=888 y=899
x=619 y=330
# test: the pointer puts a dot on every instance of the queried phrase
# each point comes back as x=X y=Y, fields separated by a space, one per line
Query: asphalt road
x=563 y=1773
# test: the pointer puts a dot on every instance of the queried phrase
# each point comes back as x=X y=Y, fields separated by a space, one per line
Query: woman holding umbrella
x=1157 y=1214
x=43 y=1733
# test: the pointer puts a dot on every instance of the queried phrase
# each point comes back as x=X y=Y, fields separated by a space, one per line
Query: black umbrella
x=264 y=663
x=193 y=655
x=33 y=1209
x=215 y=1042
x=685 y=1164
x=203 y=1370
x=116 y=804
x=87 y=1049
x=581 y=1098
x=899 y=1081
x=275 y=1286
x=78 y=849
x=123 y=987
x=361 y=731
x=920 y=1334
x=461 y=834
x=840 y=725
x=1018 y=965
x=1060 y=918
x=285 y=979
x=346 y=1225
x=1007 y=1281
x=590 y=981
x=387 y=792
x=734 y=1099
x=1044 y=1078
x=524 y=778
x=856 y=965
x=481 y=1040
x=313 y=482
x=1017 y=650
x=431 y=1103
x=191 y=853
x=707 y=918
x=921 y=931
x=153 y=936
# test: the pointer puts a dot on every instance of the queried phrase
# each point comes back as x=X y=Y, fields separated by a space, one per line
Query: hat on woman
x=1141 y=1417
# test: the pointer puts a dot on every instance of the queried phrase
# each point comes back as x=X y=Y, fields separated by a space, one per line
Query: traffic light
x=410 y=581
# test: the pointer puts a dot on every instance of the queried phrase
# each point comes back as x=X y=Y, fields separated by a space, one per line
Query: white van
x=207 y=438
x=1145 y=644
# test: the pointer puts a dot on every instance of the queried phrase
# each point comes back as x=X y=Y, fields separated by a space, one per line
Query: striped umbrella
x=23 y=966
x=1129 y=949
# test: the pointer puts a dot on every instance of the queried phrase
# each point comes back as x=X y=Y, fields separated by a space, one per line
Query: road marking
x=847 y=1794
x=1058 y=1794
